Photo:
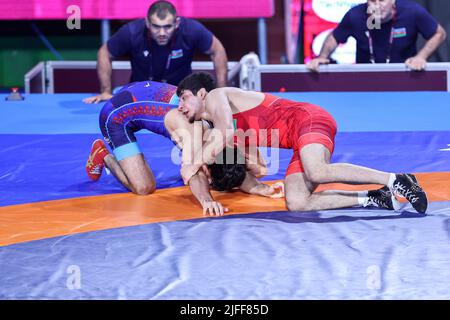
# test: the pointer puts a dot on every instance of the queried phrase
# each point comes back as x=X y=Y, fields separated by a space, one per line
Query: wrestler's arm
x=255 y=162
x=184 y=135
x=172 y=123
x=200 y=189
x=187 y=136
x=219 y=109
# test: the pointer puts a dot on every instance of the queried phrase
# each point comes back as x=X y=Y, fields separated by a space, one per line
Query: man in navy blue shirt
x=386 y=32
x=160 y=48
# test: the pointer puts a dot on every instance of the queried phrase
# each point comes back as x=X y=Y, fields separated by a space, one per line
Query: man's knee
x=144 y=189
x=318 y=174
x=299 y=204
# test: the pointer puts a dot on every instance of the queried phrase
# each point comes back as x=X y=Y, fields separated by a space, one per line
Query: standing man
x=386 y=32
x=160 y=48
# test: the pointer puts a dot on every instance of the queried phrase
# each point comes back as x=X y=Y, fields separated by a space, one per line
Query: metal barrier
x=355 y=77
x=250 y=74
x=35 y=79
x=81 y=76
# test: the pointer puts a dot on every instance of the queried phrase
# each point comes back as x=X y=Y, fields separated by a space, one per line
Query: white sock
x=362 y=198
x=391 y=181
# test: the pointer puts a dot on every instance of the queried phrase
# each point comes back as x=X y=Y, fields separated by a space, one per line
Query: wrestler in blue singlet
x=138 y=105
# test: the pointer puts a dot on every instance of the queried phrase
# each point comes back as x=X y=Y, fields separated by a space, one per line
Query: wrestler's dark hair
x=195 y=81
x=161 y=8
x=228 y=171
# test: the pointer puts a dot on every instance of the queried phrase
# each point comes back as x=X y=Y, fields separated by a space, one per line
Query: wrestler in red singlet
x=298 y=124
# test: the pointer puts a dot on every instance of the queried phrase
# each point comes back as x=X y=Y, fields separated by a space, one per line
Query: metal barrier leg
x=262 y=40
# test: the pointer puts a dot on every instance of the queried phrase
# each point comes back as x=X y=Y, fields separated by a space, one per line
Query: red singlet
x=282 y=123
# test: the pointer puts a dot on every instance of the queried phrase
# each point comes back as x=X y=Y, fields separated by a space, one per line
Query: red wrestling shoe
x=96 y=160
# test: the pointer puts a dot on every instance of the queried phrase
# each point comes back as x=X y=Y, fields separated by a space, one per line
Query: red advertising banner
x=126 y=9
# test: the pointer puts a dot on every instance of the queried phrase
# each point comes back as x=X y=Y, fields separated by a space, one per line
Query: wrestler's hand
x=98 y=98
x=188 y=171
x=274 y=191
x=277 y=190
x=213 y=208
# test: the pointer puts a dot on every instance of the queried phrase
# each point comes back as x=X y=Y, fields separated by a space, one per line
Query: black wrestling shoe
x=381 y=198
x=406 y=185
x=413 y=177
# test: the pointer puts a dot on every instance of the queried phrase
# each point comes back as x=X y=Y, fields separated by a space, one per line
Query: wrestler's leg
x=133 y=172
x=299 y=190
x=318 y=169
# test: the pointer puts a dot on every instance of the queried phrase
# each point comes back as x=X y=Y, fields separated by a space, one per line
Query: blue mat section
x=339 y=254
x=49 y=114
x=49 y=167
x=382 y=111
x=354 y=112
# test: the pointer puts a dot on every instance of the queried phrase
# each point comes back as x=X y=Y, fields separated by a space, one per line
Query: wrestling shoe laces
x=96 y=160
x=381 y=198
x=406 y=185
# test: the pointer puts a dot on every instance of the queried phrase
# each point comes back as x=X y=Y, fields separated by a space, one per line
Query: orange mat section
x=48 y=219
